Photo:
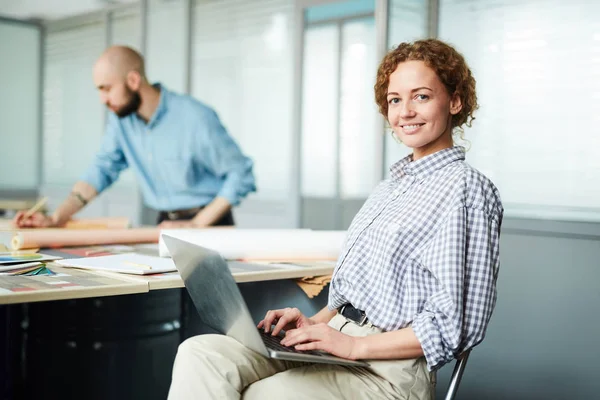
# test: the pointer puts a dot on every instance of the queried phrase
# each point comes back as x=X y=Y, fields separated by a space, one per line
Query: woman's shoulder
x=477 y=191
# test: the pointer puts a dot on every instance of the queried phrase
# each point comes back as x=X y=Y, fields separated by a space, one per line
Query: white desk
x=69 y=283
x=242 y=272
x=72 y=283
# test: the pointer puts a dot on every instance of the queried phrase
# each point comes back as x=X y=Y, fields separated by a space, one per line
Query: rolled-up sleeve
x=223 y=157
x=464 y=259
x=109 y=161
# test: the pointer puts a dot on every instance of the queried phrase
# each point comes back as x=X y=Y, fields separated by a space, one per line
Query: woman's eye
x=422 y=97
x=394 y=100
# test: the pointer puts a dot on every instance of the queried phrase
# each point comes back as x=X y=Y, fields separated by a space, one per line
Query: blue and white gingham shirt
x=423 y=251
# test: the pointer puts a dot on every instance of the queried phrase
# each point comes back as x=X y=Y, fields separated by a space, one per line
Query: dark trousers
x=191 y=324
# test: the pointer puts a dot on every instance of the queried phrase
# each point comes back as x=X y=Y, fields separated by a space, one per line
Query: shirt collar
x=427 y=164
x=162 y=105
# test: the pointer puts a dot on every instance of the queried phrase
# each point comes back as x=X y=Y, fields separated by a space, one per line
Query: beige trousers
x=219 y=367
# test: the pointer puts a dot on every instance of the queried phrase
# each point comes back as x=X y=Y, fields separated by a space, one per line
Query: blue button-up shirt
x=183 y=157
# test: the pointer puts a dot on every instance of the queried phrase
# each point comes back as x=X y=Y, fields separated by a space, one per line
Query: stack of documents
x=21 y=263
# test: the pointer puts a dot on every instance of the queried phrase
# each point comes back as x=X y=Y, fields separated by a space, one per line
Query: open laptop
x=221 y=306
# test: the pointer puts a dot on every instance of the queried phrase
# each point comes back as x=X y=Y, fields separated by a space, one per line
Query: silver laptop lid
x=214 y=292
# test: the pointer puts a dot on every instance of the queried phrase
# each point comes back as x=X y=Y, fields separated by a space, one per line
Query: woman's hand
x=322 y=337
x=287 y=318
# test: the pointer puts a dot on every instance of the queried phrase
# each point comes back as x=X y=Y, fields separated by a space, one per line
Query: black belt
x=353 y=314
x=182 y=214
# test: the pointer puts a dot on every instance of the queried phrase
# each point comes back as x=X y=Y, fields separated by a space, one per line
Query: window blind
x=243 y=67
x=73 y=119
x=19 y=105
x=167 y=43
x=537 y=65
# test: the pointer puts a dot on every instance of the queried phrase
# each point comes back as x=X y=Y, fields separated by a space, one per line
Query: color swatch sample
x=15 y=258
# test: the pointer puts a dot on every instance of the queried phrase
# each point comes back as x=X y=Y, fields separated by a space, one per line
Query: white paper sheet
x=130 y=263
x=263 y=244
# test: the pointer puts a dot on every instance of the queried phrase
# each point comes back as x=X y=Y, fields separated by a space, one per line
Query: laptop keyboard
x=272 y=342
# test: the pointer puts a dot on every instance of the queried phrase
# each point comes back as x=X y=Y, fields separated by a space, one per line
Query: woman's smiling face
x=420 y=108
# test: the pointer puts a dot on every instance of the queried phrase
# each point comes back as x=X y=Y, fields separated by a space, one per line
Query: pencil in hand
x=41 y=203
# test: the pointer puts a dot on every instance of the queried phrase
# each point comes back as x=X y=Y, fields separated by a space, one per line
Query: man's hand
x=287 y=318
x=322 y=337
x=179 y=224
x=37 y=220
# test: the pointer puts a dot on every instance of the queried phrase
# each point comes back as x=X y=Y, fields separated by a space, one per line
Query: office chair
x=459 y=368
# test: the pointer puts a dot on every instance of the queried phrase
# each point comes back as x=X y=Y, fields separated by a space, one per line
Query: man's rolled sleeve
x=464 y=258
x=221 y=154
x=109 y=161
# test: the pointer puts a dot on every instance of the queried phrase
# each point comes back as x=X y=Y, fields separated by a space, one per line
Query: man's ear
x=455 y=104
x=134 y=80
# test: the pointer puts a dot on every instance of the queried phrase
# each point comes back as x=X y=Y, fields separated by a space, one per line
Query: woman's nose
x=406 y=109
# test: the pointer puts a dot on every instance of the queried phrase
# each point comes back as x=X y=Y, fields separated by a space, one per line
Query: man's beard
x=132 y=105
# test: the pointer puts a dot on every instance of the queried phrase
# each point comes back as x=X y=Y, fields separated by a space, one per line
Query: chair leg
x=459 y=369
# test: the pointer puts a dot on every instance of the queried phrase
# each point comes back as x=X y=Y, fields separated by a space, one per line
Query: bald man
x=187 y=165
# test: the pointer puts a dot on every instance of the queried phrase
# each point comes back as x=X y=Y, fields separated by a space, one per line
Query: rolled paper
x=263 y=244
x=99 y=223
x=63 y=237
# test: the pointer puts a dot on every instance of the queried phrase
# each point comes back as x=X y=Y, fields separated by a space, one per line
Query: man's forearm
x=80 y=195
x=212 y=213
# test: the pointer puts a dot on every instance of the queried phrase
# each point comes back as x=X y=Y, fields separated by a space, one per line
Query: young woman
x=415 y=284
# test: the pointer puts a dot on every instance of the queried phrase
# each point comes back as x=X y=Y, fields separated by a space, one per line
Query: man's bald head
x=119 y=76
x=119 y=61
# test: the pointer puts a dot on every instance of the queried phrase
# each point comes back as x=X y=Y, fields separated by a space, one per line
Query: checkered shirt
x=423 y=252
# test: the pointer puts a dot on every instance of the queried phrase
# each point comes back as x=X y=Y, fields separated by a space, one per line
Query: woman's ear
x=455 y=104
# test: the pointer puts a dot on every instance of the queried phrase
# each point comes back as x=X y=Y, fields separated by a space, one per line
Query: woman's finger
x=302 y=335
x=309 y=346
x=288 y=317
x=272 y=317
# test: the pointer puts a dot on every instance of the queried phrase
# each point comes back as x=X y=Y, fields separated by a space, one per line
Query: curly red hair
x=449 y=65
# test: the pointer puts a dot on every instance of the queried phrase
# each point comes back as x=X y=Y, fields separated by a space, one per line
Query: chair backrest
x=459 y=368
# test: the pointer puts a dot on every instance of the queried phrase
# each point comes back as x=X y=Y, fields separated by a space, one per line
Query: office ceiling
x=52 y=9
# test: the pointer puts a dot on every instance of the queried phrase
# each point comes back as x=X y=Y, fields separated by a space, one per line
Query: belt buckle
x=363 y=319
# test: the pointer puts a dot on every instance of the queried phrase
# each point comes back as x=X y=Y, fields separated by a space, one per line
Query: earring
x=396 y=138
